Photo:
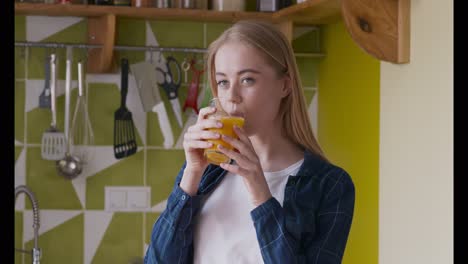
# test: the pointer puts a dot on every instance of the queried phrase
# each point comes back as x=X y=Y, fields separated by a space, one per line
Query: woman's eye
x=248 y=81
x=222 y=83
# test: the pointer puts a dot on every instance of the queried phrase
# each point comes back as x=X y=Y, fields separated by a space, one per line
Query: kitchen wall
x=416 y=143
x=75 y=227
x=348 y=130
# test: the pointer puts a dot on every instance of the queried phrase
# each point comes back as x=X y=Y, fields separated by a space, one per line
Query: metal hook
x=160 y=58
x=22 y=52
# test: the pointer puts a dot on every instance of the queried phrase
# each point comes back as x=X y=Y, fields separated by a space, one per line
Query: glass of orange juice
x=212 y=154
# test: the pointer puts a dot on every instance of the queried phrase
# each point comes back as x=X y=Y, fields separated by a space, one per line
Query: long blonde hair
x=277 y=50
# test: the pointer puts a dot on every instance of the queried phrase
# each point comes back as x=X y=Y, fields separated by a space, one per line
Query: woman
x=281 y=200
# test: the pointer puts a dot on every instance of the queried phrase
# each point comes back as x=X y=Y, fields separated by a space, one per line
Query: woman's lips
x=236 y=114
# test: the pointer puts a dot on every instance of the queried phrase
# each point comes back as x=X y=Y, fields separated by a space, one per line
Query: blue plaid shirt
x=311 y=227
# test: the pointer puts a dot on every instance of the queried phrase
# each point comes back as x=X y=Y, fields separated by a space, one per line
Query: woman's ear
x=287 y=86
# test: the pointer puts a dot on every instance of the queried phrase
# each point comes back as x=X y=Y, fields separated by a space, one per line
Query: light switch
x=117 y=199
x=127 y=198
x=138 y=199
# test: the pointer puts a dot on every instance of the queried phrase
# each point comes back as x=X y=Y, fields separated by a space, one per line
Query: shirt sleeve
x=172 y=234
x=333 y=222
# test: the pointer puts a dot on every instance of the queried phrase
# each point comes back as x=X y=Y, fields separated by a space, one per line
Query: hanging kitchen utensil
x=44 y=97
x=81 y=134
x=192 y=96
x=171 y=86
x=124 y=131
x=69 y=166
x=53 y=145
x=151 y=99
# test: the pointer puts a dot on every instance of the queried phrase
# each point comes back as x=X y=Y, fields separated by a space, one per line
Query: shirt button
x=183 y=197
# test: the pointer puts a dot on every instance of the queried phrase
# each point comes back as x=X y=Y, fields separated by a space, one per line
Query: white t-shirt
x=224 y=232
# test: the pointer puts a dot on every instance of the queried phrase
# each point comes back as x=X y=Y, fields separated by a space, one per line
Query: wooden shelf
x=362 y=19
x=309 y=12
x=312 y=12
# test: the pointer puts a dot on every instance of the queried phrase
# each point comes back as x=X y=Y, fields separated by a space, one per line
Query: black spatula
x=124 y=131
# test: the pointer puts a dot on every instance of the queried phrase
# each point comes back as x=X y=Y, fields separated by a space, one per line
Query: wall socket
x=127 y=199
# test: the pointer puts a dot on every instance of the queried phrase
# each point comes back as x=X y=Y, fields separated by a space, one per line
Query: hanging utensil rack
x=57 y=45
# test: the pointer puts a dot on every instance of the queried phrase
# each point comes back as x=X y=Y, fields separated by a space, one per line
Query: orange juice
x=213 y=154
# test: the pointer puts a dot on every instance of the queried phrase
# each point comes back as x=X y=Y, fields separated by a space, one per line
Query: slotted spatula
x=54 y=142
x=124 y=131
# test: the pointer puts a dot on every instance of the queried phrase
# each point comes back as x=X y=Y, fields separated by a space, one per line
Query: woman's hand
x=195 y=139
x=247 y=165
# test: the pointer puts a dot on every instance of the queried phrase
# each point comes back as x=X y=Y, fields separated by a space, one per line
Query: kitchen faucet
x=36 y=251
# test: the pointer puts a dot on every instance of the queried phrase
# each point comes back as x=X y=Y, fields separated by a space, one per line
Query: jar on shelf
x=228 y=5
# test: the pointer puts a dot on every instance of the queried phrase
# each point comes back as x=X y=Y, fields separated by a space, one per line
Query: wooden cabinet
x=371 y=25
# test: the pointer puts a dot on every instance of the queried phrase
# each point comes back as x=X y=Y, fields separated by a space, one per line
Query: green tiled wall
x=152 y=166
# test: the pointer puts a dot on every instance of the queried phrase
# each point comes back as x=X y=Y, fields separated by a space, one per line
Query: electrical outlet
x=127 y=198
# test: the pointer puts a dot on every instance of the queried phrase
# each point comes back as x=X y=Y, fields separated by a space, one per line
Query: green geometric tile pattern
x=51 y=190
x=126 y=172
x=178 y=34
x=20 y=97
x=20 y=28
x=122 y=240
x=18 y=236
x=162 y=171
x=40 y=118
x=309 y=95
x=20 y=58
x=73 y=34
x=130 y=32
x=307 y=42
x=18 y=152
x=214 y=30
x=308 y=71
x=103 y=101
x=62 y=244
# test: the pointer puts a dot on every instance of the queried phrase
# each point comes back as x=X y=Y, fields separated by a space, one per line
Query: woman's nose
x=234 y=93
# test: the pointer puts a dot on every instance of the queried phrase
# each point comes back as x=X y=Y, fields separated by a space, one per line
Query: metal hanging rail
x=135 y=48
x=91 y=46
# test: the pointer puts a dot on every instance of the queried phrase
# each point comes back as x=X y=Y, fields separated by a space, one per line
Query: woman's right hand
x=195 y=140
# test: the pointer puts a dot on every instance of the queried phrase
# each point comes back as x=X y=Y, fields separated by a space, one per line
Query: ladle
x=69 y=166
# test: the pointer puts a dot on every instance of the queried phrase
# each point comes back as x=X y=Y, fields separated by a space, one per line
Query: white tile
x=95 y=226
x=48 y=219
x=39 y=28
x=20 y=178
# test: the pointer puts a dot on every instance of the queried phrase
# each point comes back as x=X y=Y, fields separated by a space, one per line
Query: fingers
x=204 y=112
x=233 y=168
x=205 y=124
x=241 y=134
x=197 y=144
x=202 y=134
x=198 y=133
x=240 y=158
x=243 y=144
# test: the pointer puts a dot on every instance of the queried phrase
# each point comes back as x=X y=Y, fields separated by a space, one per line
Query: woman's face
x=248 y=86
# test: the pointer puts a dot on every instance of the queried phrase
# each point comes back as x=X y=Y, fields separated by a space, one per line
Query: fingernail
x=219 y=124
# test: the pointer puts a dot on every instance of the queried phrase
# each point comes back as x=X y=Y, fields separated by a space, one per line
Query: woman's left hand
x=247 y=166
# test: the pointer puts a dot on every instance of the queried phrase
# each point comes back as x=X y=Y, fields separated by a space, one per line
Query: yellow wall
x=348 y=130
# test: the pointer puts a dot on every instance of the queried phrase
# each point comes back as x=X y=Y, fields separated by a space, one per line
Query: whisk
x=81 y=134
